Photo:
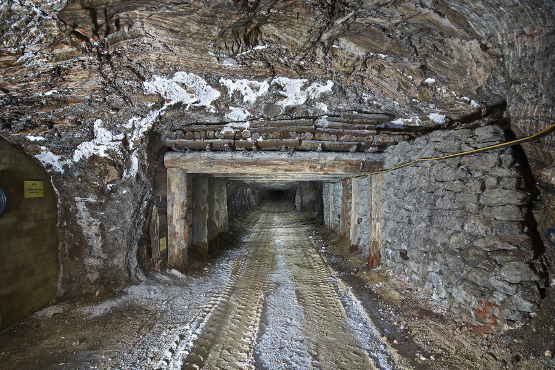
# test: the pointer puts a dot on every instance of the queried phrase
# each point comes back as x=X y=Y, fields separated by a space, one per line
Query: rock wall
x=308 y=196
x=458 y=227
x=242 y=199
x=217 y=216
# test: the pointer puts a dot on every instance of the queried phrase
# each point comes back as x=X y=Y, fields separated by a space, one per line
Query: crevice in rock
x=530 y=185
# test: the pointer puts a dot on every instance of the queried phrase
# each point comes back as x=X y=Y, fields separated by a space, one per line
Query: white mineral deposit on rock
x=103 y=143
x=202 y=96
x=238 y=114
x=249 y=89
x=437 y=118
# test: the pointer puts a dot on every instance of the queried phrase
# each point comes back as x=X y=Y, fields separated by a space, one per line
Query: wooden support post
x=344 y=223
x=325 y=204
x=155 y=239
x=199 y=234
x=330 y=194
x=298 y=199
x=177 y=220
x=217 y=209
x=374 y=251
x=223 y=206
x=355 y=211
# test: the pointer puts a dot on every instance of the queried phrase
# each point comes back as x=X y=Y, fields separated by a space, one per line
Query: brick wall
x=29 y=264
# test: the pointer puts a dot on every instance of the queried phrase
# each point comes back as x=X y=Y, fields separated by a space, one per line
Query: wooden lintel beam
x=275 y=163
x=281 y=178
x=282 y=123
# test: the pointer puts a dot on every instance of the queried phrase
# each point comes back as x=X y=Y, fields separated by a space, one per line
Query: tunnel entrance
x=304 y=196
x=276 y=194
x=191 y=174
x=28 y=236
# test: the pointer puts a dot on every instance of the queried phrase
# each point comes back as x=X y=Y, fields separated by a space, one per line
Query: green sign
x=163 y=244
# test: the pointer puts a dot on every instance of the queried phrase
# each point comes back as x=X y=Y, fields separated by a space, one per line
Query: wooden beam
x=277 y=144
x=275 y=163
x=215 y=144
x=299 y=123
x=177 y=220
x=374 y=251
x=292 y=177
x=356 y=200
x=344 y=222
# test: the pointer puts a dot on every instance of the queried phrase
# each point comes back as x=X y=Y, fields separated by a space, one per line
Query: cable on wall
x=496 y=146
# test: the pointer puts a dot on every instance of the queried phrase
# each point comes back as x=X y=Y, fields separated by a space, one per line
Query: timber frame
x=250 y=166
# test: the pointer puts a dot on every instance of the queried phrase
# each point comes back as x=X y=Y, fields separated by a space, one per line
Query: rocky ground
x=428 y=334
x=137 y=328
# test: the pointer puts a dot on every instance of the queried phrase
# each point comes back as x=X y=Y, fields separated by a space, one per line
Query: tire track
x=282 y=308
x=230 y=332
x=331 y=345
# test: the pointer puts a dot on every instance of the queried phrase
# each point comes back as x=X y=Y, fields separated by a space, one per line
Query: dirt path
x=281 y=309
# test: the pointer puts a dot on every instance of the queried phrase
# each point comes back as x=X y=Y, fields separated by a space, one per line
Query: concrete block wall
x=456 y=227
x=29 y=264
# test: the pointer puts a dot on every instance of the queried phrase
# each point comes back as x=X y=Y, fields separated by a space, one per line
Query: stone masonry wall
x=456 y=228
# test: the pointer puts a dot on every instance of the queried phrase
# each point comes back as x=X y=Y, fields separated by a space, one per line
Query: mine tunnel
x=196 y=189
x=277 y=185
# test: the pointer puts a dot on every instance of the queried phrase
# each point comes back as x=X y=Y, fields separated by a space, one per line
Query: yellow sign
x=34 y=189
x=163 y=244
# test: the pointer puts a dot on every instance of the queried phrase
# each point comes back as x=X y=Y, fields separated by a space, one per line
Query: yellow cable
x=517 y=141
